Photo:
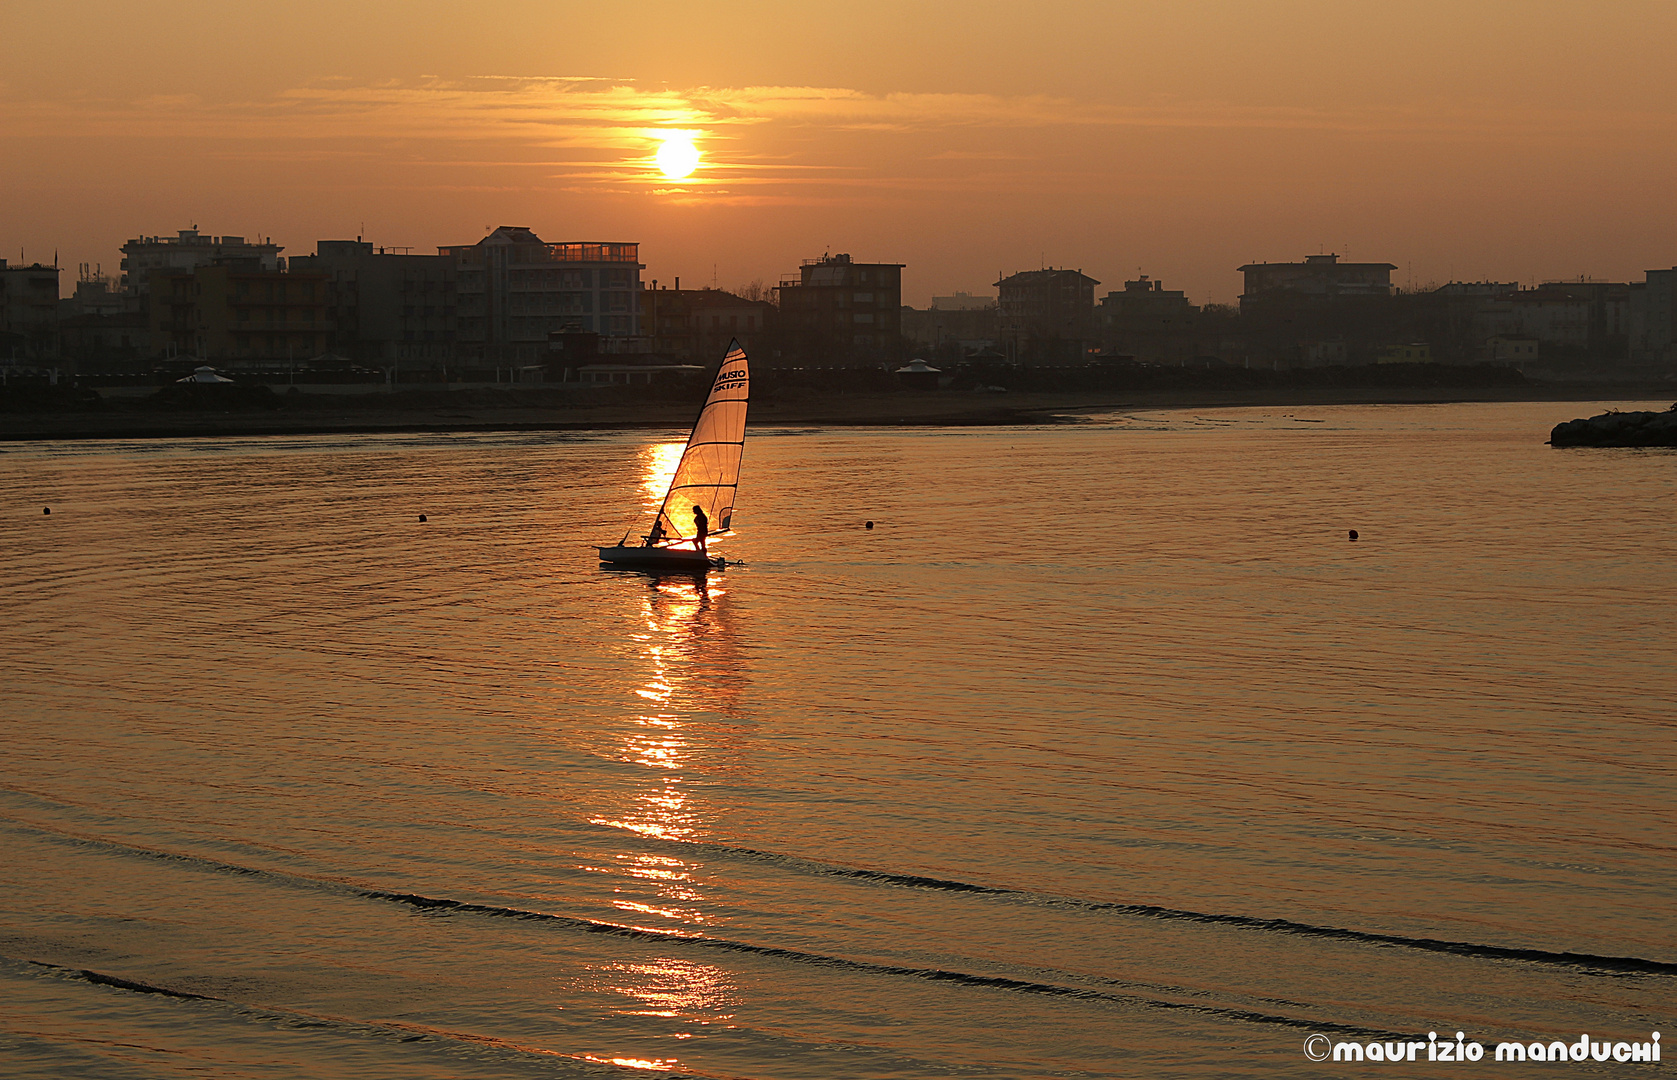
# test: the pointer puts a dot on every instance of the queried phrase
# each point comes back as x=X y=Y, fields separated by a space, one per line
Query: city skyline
x=1495 y=142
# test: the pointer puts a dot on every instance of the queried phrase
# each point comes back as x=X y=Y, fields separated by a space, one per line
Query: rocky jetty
x=1619 y=429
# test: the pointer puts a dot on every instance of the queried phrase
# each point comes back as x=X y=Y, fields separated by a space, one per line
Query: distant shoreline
x=899 y=409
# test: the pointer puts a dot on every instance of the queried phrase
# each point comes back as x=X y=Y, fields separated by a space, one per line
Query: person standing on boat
x=701 y=527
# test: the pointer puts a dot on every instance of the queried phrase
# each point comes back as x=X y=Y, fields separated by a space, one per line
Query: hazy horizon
x=1489 y=141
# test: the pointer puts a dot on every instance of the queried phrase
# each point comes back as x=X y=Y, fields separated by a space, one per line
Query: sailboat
x=704 y=480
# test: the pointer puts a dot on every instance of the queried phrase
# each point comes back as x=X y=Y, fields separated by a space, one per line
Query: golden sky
x=1461 y=140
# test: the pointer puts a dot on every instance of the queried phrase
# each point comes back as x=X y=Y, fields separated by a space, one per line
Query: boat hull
x=670 y=560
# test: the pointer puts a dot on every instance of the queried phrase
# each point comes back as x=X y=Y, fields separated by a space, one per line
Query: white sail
x=709 y=472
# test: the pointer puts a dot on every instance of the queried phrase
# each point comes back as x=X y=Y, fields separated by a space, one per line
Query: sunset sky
x=1459 y=140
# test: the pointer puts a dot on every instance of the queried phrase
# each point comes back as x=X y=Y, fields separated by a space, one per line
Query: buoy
x=48 y=510
x=1353 y=534
x=869 y=525
x=421 y=517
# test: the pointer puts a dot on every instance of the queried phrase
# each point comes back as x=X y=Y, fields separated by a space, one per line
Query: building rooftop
x=1047 y=272
x=1323 y=262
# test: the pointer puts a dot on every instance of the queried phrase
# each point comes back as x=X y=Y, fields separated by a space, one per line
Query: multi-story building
x=187 y=251
x=238 y=312
x=1146 y=320
x=1047 y=316
x=1576 y=318
x=28 y=312
x=696 y=325
x=962 y=301
x=946 y=328
x=387 y=307
x=96 y=294
x=515 y=289
x=1653 y=318
x=118 y=341
x=1318 y=277
x=839 y=311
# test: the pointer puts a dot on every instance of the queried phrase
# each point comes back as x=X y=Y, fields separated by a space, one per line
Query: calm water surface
x=1105 y=754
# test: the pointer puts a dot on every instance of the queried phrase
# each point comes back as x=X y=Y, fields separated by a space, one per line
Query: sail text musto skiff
x=700 y=498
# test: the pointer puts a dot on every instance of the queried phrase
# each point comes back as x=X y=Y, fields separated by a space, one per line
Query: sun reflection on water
x=658 y=463
x=673 y=988
x=678 y=731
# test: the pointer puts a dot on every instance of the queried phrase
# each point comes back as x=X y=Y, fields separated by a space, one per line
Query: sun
x=678 y=157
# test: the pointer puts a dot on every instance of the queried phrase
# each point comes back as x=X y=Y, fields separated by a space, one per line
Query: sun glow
x=678 y=157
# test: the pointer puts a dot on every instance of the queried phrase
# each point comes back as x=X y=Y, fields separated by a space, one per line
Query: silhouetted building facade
x=696 y=325
x=96 y=294
x=1147 y=321
x=96 y=342
x=1571 y=319
x=387 y=307
x=1653 y=319
x=1318 y=277
x=962 y=301
x=515 y=289
x=952 y=332
x=28 y=312
x=238 y=312
x=189 y=250
x=1047 y=316
x=839 y=311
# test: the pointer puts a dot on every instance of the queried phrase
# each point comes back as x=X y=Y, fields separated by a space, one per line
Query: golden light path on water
x=658 y=463
x=675 y=616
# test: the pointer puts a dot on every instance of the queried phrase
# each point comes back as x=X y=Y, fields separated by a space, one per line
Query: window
x=864 y=316
x=863 y=298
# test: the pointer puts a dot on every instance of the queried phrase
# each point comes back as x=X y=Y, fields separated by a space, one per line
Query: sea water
x=1105 y=753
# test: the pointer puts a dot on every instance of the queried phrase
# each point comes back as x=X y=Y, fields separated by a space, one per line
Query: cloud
x=786 y=143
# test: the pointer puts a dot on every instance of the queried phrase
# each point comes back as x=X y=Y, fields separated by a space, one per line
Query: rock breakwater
x=1619 y=429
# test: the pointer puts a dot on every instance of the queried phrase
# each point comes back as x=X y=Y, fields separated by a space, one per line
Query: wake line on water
x=395 y=1030
x=960 y=978
x=1589 y=962
x=666 y=937
x=100 y=979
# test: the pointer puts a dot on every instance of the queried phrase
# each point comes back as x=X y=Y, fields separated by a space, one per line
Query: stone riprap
x=1619 y=429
